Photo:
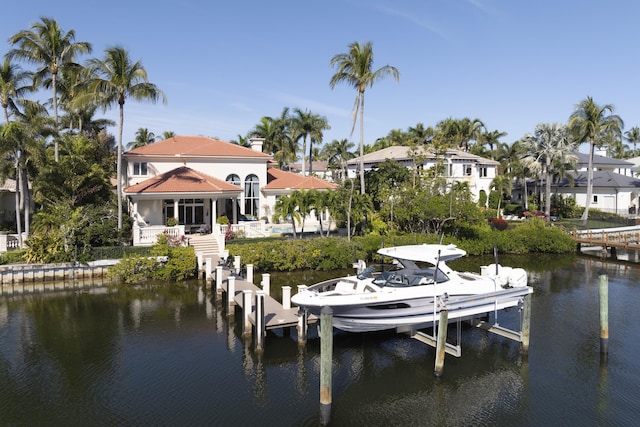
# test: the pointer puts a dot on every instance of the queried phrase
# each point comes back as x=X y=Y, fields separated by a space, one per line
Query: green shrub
x=12 y=257
x=133 y=270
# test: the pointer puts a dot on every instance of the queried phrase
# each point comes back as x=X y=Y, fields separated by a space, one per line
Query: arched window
x=251 y=195
x=233 y=179
x=232 y=204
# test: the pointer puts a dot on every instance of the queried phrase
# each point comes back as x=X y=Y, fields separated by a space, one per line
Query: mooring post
x=526 y=324
x=207 y=271
x=250 y=273
x=326 y=361
x=236 y=264
x=603 y=292
x=286 y=297
x=200 y=261
x=246 y=311
x=303 y=324
x=231 y=293
x=219 y=279
x=260 y=326
x=442 y=341
x=266 y=283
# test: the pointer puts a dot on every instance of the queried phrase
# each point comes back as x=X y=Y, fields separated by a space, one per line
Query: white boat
x=411 y=295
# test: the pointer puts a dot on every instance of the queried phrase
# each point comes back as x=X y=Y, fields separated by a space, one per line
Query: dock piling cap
x=326 y=310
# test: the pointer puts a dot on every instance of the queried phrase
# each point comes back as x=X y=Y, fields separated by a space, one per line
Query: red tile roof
x=183 y=180
x=196 y=146
x=279 y=180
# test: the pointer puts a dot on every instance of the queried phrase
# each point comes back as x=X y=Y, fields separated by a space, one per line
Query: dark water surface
x=173 y=357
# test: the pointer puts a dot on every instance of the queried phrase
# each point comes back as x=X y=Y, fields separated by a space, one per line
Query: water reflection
x=173 y=355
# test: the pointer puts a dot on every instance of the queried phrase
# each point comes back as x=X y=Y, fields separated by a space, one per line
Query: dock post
x=200 y=261
x=207 y=271
x=250 y=273
x=236 y=264
x=603 y=292
x=219 y=278
x=266 y=283
x=231 y=293
x=441 y=343
x=246 y=311
x=286 y=297
x=326 y=361
x=260 y=326
x=526 y=324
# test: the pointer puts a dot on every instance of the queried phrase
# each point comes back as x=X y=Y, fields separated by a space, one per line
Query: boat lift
x=468 y=308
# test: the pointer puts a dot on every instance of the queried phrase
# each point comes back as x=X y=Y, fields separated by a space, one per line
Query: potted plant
x=172 y=222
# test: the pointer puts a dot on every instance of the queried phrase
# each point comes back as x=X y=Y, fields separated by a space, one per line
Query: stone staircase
x=207 y=245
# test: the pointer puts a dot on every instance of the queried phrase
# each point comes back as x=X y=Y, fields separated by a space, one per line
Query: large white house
x=193 y=180
x=460 y=166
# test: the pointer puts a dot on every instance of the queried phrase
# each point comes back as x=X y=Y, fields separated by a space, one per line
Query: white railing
x=246 y=228
x=147 y=236
x=9 y=242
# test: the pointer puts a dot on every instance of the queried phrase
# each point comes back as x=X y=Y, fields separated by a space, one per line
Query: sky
x=225 y=64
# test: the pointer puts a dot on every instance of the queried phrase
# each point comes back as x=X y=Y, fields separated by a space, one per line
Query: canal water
x=172 y=356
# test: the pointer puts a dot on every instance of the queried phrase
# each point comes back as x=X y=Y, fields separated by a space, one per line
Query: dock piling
x=266 y=283
x=441 y=343
x=603 y=292
x=231 y=293
x=260 y=322
x=219 y=279
x=246 y=310
x=526 y=324
x=250 y=273
x=326 y=356
x=286 y=297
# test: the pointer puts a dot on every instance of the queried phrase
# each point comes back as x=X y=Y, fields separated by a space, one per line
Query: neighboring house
x=194 y=180
x=615 y=188
x=460 y=166
x=318 y=168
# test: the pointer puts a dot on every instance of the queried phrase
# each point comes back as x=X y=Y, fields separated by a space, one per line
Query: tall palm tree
x=552 y=148
x=116 y=78
x=279 y=137
x=502 y=184
x=338 y=153
x=12 y=86
x=587 y=123
x=355 y=68
x=633 y=136
x=50 y=48
x=319 y=124
x=143 y=137
x=302 y=121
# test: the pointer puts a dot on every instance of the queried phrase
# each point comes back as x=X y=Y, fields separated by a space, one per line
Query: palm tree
x=116 y=79
x=319 y=124
x=338 y=153
x=279 y=137
x=355 y=68
x=302 y=121
x=287 y=207
x=143 y=137
x=167 y=134
x=47 y=46
x=502 y=184
x=550 y=148
x=587 y=123
x=12 y=86
x=633 y=136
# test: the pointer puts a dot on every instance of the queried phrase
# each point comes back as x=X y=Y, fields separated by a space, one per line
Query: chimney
x=256 y=143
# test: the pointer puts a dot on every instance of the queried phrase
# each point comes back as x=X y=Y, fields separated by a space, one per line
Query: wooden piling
x=441 y=343
x=266 y=283
x=526 y=324
x=603 y=292
x=246 y=311
x=249 y=273
x=207 y=271
x=219 y=279
x=231 y=293
x=326 y=362
x=286 y=297
x=260 y=322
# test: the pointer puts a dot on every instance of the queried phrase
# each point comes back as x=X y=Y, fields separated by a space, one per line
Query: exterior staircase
x=207 y=245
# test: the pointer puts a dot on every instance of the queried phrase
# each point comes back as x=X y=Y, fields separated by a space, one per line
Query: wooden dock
x=609 y=238
x=275 y=314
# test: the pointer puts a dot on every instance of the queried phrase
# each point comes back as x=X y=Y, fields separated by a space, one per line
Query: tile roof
x=281 y=180
x=195 y=146
x=401 y=152
x=183 y=180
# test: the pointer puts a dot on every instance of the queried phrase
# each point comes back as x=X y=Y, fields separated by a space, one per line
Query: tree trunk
x=585 y=214
x=119 y=168
x=18 y=222
x=362 y=190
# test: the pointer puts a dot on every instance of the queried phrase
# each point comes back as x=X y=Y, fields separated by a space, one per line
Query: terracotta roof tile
x=182 y=180
x=196 y=146
x=279 y=179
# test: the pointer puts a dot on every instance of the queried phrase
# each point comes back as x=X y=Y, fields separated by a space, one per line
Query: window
x=595 y=199
x=467 y=170
x=140 y=168
x=483 y=172
x=233 y=179
x=251 y=195
x=190 y=211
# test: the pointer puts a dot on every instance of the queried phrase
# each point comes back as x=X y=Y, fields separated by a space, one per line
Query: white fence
x=148 y=236
x=9 y=242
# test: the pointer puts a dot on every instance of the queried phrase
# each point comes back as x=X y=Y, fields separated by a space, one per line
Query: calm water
x=173 y=357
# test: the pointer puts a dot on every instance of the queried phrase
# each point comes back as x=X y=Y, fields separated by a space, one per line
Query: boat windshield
x=404 y=278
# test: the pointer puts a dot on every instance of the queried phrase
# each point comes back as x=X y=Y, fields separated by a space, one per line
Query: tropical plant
x=338 y=153
x=12 y=86
x=143 y=137
x=116 y=78
x=355 y=68
x=287 y=207
x=47 y=46
x=587 y=123
x=633 y=136
x=503 y=185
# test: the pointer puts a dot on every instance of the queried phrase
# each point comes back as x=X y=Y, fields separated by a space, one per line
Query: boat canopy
x=424 y=253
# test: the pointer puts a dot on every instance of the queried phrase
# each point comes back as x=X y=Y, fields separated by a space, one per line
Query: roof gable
x=183 y=180
x=195 y=146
